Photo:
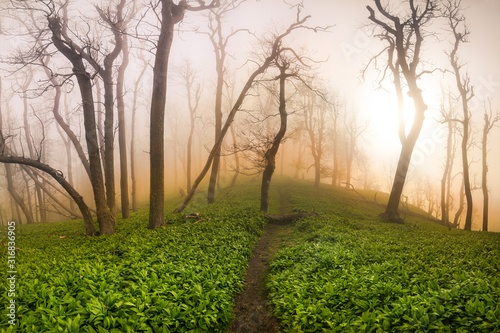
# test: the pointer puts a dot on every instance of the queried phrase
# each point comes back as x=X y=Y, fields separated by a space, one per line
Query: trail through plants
x=252 y=312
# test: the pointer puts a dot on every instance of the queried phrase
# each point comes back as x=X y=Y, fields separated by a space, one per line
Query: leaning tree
x=405 y=35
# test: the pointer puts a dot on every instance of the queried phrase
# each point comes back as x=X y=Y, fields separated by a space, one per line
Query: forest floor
x=251 y=311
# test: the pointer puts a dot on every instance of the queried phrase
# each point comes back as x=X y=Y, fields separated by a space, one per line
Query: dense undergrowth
x=179 y=278
x=343 y=271
x=349 y=272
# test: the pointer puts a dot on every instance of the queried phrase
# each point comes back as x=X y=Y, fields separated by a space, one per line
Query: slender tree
x=267 y=61
x=489 y=122
x=283 y=64
x=76 y=56
x=171 y=14
x=354 y=129
x=219 y=43
x=447 y=116
x=456 y=20
x=133 y=131
x=407 y=35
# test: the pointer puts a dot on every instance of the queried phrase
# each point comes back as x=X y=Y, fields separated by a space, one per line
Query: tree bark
x=236 y=158
x=122 y=137
x=261 y=69
x=400 y=36
x=270 y=155
x=104 y=215
x=171 y=14
x=132 y=137
x=87 y=217
x=445 y=209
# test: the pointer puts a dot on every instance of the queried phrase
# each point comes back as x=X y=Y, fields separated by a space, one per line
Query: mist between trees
x=107 y=107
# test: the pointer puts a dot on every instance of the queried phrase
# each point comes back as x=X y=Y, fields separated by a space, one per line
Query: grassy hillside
x=175 y=279
x=344 y=270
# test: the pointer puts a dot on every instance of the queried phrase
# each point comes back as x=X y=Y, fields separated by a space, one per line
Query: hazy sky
x=345 y=51
x=349 y=46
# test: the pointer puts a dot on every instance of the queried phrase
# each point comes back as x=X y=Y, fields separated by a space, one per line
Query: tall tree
x=219 y=43
x=77 y=57
x=354 y=129
x=489 y=122
x=132 y=134
x=120 y=27
x=314 y=123
x=447 y=116
x=106 y=72
x=267 y=61
x=171 y=14
x=452 y=11
x=193 y=91
x=283 y=64
x=407 y=34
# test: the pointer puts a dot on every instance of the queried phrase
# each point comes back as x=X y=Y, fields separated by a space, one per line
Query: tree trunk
x=460 y=206
x=391 y=211
x=45 y=190
x=484 y=175
x=132 y=137
x=220 y=55
x=261 y=69
x=236 y=158
x=270 y=155
x=104 y=215
x=87 y=217
x=445 y=209
x=157 y=123
x=17 y=198
x=122 y=138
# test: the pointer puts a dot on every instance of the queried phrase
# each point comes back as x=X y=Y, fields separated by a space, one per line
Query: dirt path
x=251 y=311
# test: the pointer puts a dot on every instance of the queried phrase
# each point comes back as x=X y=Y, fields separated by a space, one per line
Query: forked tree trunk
x=104 y=215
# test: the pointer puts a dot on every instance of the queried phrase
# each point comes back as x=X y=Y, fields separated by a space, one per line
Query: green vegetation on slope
x=349 y=272
x=342 y=271
x=180 y=278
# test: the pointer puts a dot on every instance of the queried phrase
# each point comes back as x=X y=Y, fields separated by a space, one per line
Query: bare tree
x=452 y=11
x=77 y=57
x=314 y=123
x=266 y=62
x=171 y=14
x=283 y=64
x=489 y=122
x=406 y=34
x=132 y=135
x=219 y=43
x=120 y=26
x=193 y=91
x=354 y=129
x=447 y=116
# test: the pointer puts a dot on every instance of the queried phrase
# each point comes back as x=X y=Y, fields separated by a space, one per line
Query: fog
x=339 y=67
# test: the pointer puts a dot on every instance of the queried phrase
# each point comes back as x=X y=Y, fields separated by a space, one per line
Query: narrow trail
x=252 y=312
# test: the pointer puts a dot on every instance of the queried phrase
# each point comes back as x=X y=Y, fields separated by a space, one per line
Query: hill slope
x=343 y=270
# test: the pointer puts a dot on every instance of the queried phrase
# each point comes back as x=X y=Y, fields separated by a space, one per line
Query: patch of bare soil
x=252 y=312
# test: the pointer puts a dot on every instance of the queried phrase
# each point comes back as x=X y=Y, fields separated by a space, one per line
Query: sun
x=382 y=112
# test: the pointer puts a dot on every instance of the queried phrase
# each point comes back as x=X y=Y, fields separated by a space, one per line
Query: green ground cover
x=343 y=271
x=348 y=272
x=175 y=279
